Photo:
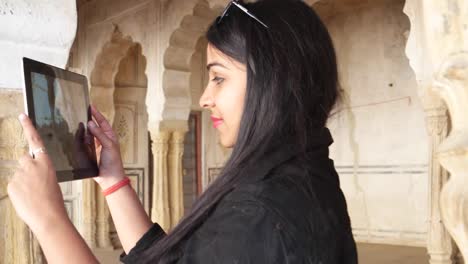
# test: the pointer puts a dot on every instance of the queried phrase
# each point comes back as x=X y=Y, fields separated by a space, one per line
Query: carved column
x=439 y=244
x=102 y=222
x=176 y=187
x=452 y=85
x=89 y=212
x=160 y=212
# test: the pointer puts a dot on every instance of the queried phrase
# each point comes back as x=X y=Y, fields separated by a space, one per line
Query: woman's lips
x=216 y=121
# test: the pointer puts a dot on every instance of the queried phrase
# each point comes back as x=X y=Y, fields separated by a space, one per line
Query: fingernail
x=22 y=117
x=91 y=124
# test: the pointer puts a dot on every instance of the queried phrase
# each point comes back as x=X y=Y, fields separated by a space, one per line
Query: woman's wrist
x=54 y=220
x=119 y=185
x=109 y=181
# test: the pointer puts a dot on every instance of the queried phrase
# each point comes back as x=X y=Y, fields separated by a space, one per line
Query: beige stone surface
x=380 y=144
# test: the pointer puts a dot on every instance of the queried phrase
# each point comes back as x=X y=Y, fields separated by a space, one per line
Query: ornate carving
x=437 y=121
x=440 y=245
x=126 y=125
x=121 y=127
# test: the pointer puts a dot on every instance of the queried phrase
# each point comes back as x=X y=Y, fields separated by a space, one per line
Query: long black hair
x=292 y=86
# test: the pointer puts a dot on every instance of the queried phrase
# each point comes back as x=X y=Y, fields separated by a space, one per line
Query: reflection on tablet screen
x=61 y=115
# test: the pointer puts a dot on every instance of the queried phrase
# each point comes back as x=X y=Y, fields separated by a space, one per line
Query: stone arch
x=177 y=59
x=106 y=68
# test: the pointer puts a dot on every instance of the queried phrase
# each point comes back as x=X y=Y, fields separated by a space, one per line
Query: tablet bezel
x=31 y=66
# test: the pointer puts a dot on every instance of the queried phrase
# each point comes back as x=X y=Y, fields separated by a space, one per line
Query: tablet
x=57 y=102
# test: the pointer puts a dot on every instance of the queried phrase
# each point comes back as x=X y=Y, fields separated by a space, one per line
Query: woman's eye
x=218 y=80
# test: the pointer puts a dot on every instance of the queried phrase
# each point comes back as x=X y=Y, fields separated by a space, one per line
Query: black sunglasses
x=235 y=3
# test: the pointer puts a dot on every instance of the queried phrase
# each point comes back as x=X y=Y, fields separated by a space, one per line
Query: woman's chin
x=225 y=142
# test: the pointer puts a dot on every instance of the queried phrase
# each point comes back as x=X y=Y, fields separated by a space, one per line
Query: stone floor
x=368 y=254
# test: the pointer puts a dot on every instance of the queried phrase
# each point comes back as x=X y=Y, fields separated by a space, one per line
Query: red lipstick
x=216 y=121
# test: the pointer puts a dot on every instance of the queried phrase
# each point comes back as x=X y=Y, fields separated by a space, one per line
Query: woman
x=273 y=83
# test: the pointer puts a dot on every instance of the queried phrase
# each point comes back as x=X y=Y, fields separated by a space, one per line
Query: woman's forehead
x=215 y=57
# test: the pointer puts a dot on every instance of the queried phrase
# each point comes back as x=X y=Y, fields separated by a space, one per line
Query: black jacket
x=290 y=209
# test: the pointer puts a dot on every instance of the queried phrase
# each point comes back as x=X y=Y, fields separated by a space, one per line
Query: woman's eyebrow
x=208 y=67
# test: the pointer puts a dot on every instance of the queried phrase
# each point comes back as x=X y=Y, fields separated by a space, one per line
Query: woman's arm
x=62 y=243
x=130 y=219
x=38 y=201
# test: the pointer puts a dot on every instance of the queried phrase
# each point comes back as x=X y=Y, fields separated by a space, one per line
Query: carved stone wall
x=437 y=48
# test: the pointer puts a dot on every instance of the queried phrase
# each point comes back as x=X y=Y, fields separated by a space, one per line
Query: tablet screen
x=58 y=105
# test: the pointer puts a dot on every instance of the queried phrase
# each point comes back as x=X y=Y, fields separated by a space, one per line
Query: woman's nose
x=206 y=100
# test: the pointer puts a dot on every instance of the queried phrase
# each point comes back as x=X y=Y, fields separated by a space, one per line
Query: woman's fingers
x=25 y=160
x=99 y=134
x=100 y=119
x=103 y=124
x=33 y=190
x=34 y=140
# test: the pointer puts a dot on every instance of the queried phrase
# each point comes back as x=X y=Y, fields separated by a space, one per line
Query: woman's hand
x=108 y=151
x=34 y=190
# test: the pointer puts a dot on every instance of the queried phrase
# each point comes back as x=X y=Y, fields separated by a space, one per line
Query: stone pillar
x=439 y=244
x=160 y=212
x=452 y=86
x=89 y=212
x=102 y=222
x=176 y=187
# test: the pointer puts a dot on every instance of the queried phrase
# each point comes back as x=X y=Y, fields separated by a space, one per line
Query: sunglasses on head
x=243 y=9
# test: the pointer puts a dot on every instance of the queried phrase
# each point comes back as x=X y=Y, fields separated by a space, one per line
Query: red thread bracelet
x=115 y=187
